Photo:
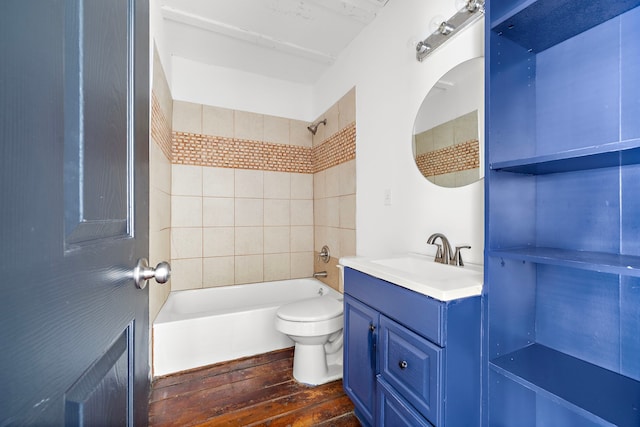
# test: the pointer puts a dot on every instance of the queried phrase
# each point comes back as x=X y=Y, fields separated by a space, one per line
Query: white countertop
x=421 y=274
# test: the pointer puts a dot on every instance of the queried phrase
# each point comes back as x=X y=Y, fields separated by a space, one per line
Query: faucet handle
x=457 y=256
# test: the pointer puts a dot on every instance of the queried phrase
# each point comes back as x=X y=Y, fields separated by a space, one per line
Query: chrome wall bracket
x=471 y=12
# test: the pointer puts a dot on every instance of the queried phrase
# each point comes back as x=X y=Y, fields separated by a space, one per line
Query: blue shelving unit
x=562 y=263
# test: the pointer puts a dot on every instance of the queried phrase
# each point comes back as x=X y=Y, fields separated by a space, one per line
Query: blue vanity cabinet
x=562 y=198
x=410 y=360
x=361 y=326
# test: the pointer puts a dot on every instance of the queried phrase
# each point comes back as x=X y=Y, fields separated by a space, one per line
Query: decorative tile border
x=204 y=150
x=454 y=158
x=214 y=151
x=160 y=129
x=338 y=148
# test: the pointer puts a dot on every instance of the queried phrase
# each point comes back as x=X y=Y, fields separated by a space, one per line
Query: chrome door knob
x=142 y=273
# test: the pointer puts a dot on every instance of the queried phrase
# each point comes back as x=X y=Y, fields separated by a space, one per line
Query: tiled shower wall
x=243 y=194
x=159 y=183
x=334 y=186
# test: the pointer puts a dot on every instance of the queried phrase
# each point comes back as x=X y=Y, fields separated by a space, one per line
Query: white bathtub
x=203 y=326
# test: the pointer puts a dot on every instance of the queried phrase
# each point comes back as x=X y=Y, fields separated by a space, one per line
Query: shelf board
x=600 y=156
x=597 y=393
x=627 y=265
x=542 y=24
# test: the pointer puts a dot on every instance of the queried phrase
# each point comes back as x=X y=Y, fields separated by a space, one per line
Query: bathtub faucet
x=320 y=274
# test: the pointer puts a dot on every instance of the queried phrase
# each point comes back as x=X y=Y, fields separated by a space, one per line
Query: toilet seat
x=311 y=310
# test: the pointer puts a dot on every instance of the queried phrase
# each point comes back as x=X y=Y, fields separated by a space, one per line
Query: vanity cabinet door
x=360 y=346
x=413 y=366
x=394 y=411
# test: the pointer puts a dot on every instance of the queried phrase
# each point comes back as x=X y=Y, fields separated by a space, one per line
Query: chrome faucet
x=444 y=254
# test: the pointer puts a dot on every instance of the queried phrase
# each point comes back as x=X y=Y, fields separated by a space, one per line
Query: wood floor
x=255 y=391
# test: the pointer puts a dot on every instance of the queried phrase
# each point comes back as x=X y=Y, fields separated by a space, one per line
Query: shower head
x=313 y=127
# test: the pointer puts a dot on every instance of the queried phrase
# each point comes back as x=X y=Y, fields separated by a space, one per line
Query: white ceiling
x=293 y=40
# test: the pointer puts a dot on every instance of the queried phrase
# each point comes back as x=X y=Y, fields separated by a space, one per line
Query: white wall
x=238 y=90
x=157 y=30
x=390 y=86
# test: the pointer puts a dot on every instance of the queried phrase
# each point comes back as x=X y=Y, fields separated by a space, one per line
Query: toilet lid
x=311 y=310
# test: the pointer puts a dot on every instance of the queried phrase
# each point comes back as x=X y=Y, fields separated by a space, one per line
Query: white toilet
x=315 y=325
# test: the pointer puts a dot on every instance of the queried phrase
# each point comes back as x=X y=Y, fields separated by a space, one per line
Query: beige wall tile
x=302 y=186
x=277 y=267
x=159 y=246
x=186 y=180
x=443 y=135
x=186 y=211
x=332 y=239
x=333 y=212
x=187 y=117
x=466 y=127
x=249 y=269
x=217 y=121
x=424 y=142
x=300 y=135
x=218 y=271
x=445 y=180
x=348 y=212
x=319 y=185
x=277 y=212
x=218 y=182
x=466 y=177
x=332 y=182
x=249 y=212
x=159 y=169
x=347 y=108
x=277 y=185
x=277 y=240
x=347 y=242
x=186 y=243
x=159 y=210
x=159 y=250
x=249 y=183
x=186 y=274
x=301 y=212
x=249 y=240
x=320 y=238
x=276 y=129
x=333 y=121
x=301 y=238
x=347 y=178
x=218 y=212
x=301 y=264
x=218 y=241
x=248 y=126
x=320 y=212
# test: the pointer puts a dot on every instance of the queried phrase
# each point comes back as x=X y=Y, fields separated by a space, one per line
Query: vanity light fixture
x=469 y=13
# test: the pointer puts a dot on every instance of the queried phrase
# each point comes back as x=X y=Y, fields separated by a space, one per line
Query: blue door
x=74 y=90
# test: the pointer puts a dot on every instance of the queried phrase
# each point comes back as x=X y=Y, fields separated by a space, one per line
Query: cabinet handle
x=403 y=364
x=372 y=346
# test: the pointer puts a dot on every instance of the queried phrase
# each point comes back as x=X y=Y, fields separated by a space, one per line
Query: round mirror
x=448 y=134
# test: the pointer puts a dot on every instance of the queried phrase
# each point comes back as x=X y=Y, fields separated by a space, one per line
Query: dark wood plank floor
x=254 y=391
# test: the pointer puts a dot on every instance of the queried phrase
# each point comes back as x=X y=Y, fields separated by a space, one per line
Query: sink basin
x=421 y=274
x=432 y=270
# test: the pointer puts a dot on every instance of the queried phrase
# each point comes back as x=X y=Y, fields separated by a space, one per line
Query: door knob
x=142 y=273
